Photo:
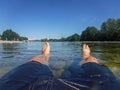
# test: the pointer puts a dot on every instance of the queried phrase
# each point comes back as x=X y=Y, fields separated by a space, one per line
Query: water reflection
x=10 y=50
x=10 y=46
x=10 y=54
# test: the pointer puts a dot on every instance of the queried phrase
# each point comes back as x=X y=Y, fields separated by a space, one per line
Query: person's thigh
x=24 y=75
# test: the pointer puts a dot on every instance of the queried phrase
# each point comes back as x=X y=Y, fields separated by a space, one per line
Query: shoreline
x=60 y=41
x=11 y=41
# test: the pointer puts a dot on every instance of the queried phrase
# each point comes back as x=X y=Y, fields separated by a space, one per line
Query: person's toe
x=46 y=48
x=84 y=46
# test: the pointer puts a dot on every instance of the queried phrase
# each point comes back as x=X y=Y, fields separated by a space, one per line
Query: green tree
x=62 y=39
x=109 y=30
x=10 y=35
x=0 y=37
x=74 y=37
x=118 y=29
x=23 y=38
x=90 y=34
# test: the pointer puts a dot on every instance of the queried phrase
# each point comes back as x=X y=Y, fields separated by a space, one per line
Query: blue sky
x=38 y=19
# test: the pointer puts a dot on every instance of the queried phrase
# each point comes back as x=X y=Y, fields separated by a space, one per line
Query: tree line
x=10 y=35
x=109 y=31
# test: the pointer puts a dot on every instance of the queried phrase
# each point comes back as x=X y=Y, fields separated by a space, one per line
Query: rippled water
x=63 y=54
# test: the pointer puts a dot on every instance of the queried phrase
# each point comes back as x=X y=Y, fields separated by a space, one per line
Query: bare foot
x=86 y=55
x=44 y=58
x=85 y=51
x=46 y=48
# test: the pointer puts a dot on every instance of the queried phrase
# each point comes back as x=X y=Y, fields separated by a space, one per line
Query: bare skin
x=44 y=58
x=86 y=55
x=85 y=51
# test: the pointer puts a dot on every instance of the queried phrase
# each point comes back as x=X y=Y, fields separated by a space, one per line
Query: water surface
x=63 y=54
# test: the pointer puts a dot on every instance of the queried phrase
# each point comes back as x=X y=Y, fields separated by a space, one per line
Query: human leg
x=44 y=58
x=86 y=55
x=29 y=72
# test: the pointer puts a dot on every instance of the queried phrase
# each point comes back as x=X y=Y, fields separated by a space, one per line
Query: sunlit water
x=63 y=54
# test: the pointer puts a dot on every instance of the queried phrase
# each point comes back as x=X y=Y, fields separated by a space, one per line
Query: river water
x=63 y=54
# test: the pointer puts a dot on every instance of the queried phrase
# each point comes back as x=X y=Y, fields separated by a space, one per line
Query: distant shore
x=11 y=41
x=60 y=41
